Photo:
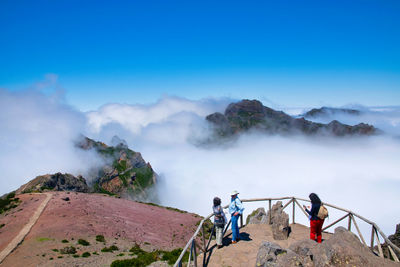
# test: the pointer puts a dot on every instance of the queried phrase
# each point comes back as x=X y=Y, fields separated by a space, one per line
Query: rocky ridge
x=251 y=114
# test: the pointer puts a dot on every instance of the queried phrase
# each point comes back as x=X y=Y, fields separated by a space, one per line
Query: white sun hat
x=234 y=192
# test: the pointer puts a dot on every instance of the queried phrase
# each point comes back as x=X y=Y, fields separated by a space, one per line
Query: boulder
x=279 y=222
x=258 y=216
x=268 y=253
x=395 y=239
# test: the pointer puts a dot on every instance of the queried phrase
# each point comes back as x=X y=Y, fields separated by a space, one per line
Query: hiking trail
x=25 y=230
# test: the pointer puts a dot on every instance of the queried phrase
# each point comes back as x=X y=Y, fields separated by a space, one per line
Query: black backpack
x=219 y=220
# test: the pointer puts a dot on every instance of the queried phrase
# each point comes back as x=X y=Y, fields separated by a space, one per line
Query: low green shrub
x=110 y=249
x=64 y=241
x=9 y=202
x=100 y=238
x=86 y=254
x=83 y=242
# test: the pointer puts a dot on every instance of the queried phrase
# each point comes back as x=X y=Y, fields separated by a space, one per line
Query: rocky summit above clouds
x=251 y=114
x=124 y=173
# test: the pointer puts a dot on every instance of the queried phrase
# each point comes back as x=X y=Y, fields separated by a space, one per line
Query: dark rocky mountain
x=124 y=173
x=327 y=111
x=251 y=114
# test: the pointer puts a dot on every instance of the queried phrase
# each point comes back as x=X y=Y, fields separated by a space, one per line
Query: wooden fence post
x=294 y=212
x=372 y=238
x=204 y=244
x=270 y=213
x=393 y=254
x=358 y=230
x=194 y=253
x=349 y=224
x=379 y=244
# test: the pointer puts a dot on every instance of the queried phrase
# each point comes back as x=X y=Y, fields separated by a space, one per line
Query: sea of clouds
x=38 y=132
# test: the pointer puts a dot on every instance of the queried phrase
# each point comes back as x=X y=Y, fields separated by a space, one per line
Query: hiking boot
x=233 y=242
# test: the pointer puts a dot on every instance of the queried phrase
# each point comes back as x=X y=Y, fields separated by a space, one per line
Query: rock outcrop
x=124 y=173
x=55 y=182
x=279 y=222
x=395 y=239
x=268 y=254
x=342 y=249
x=259 y=216
x=251 y=114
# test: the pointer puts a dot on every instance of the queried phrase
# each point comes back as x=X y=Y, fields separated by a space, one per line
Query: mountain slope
x=70 y=216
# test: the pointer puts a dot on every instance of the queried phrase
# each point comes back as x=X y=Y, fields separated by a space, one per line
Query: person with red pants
x=315 y=222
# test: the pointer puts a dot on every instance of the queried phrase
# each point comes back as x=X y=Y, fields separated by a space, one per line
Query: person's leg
x=319 y=231
x=237 y=229
x=313 y=229
x=218 y=233
x=235 y=233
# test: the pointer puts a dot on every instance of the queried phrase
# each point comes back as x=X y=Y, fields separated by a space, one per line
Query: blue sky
x=291 y=53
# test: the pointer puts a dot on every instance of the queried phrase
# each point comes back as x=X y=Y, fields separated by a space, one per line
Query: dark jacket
x=314 y=211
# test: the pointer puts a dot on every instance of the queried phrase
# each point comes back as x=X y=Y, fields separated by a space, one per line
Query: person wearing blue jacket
x=235 y=210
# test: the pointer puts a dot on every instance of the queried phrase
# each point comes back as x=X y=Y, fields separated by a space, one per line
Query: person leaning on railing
x=315 y=222
x=235 y=210
x=219 y=220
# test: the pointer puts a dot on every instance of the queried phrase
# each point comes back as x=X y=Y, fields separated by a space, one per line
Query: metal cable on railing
x=376 y=231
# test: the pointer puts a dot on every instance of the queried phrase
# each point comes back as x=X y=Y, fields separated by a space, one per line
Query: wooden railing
x=350 y=215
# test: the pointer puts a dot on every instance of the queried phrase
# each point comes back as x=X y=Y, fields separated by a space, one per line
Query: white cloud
x=356 y=173
x=36 y=137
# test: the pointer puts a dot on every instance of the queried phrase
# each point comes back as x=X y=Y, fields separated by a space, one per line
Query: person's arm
x=305 y=208
x=239 y=205
x=231 y=208
x=223 y=215
x=314 y=210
